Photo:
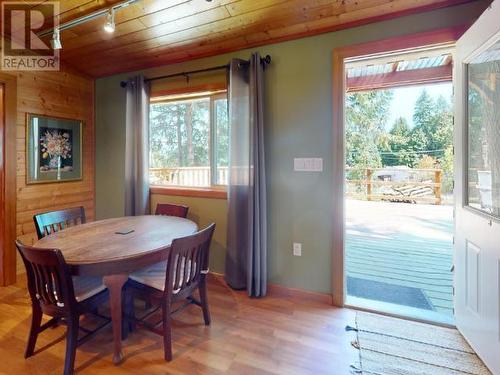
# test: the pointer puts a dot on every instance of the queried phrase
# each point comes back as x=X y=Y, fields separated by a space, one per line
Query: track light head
x=56 y=39
x=109 y=25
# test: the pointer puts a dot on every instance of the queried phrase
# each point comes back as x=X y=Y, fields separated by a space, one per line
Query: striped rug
x=390 y=346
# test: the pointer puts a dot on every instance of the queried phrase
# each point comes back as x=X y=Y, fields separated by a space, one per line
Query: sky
x=404 y=100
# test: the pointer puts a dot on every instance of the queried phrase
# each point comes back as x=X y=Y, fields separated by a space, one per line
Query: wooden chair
x=168 y=209
x=55 y=293
x=184 y=272
x=54 y=221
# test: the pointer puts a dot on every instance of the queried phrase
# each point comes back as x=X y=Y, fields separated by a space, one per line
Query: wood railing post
x=437 y=185
x=369 y=173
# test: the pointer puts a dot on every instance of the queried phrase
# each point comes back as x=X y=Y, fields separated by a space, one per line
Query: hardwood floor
x=275 y=335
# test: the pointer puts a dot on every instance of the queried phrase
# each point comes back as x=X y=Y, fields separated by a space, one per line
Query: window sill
x=189 y=192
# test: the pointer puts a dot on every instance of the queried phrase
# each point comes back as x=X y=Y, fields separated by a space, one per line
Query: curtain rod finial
x=266 y=59
x=123 y=84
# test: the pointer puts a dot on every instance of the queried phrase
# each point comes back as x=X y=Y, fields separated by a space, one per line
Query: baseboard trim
x=276 y=290
x=280 y=291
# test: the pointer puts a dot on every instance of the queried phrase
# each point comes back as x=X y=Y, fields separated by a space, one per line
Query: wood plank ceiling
x=157 y=32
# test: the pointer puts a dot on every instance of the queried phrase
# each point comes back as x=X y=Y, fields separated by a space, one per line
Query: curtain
x=246 y=258
x=137 y=147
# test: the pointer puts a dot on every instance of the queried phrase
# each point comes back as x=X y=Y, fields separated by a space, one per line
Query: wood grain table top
x=96 y=247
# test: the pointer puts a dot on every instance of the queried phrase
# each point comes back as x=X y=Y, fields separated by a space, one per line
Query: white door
x=477 y=186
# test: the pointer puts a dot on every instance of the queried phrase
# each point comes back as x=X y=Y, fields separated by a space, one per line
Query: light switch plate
x=297 y=249
x=308 y=164
x=298 y=164
x=318 y=164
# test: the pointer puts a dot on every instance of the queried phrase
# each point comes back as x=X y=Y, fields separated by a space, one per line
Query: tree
x=416 y=147
x=434 y=119
x=400 y=128
x=366 y=116
x=188 y=121
x=222 y=126
x=430 y=137
x=447 y=167
x=424 y=117
x=179 y=134
x=405 y=145
x=427 y=162
x=399 y=140
x=442 y=138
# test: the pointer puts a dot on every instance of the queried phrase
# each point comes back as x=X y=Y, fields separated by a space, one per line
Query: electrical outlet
x=297 y=249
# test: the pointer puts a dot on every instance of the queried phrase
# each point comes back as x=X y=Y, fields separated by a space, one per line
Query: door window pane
x=483 y=169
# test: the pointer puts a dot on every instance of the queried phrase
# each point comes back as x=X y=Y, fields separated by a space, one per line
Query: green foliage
x=431 y=135
x=423 y=115
x=427 y=162
x=366 y=116
x=399 y=144
x=222 y=130
x=180 y=133
x=435 y=120
x=447 y=167
x=428 y=142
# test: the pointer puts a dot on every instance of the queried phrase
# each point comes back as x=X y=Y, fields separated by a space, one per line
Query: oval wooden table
x=96 y=249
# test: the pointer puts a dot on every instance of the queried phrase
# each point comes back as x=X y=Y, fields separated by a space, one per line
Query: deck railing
x=187 y=176
x=389 y=184
x=395 y=184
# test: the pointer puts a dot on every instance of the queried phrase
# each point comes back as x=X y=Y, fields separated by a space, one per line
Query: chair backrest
x=167 y=209
x=49 y=278
x=54 y=221
x=188 y=260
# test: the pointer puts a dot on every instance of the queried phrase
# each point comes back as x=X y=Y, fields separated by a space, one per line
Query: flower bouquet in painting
x=55 y=150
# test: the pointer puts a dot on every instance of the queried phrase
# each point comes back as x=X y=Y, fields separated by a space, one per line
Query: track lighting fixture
x=109 y=25
x=56 y=39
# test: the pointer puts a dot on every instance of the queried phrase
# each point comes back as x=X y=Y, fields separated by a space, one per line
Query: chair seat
x=154 y=276
x=86 y=287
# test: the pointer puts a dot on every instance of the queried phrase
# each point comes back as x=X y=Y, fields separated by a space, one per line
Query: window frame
x=215 y=190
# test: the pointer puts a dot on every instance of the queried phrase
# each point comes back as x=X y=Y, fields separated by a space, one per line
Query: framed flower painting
x=53 y=149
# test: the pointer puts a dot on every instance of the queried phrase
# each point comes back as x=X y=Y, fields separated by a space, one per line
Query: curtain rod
x=263 y=60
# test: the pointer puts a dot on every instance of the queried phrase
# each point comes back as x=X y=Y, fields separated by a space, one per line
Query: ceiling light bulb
x=109 y=25
x=56 y=39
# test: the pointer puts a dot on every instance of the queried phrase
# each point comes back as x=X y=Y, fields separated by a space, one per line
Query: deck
x=401 y=254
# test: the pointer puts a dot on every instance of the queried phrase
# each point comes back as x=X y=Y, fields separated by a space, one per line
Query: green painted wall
x=110 y=148
x=298 y=124
x=204 y=211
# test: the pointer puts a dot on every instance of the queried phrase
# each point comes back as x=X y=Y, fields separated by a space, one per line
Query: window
x=189 y=141
x=483 y=159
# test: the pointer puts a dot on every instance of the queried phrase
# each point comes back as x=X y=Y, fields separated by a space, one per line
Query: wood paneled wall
x=63 y=94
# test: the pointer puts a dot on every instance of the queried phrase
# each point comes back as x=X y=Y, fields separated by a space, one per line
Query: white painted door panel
x=477 y=231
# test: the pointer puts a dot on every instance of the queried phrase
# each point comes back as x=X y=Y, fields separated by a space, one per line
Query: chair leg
x=71 y=344
x=147 y=302
x=167 y=331
x=36 y=320
x=204 y=302
x=56 y=324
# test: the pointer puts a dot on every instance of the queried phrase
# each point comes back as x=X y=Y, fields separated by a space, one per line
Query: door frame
x=401 y=44
x=8 y=168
